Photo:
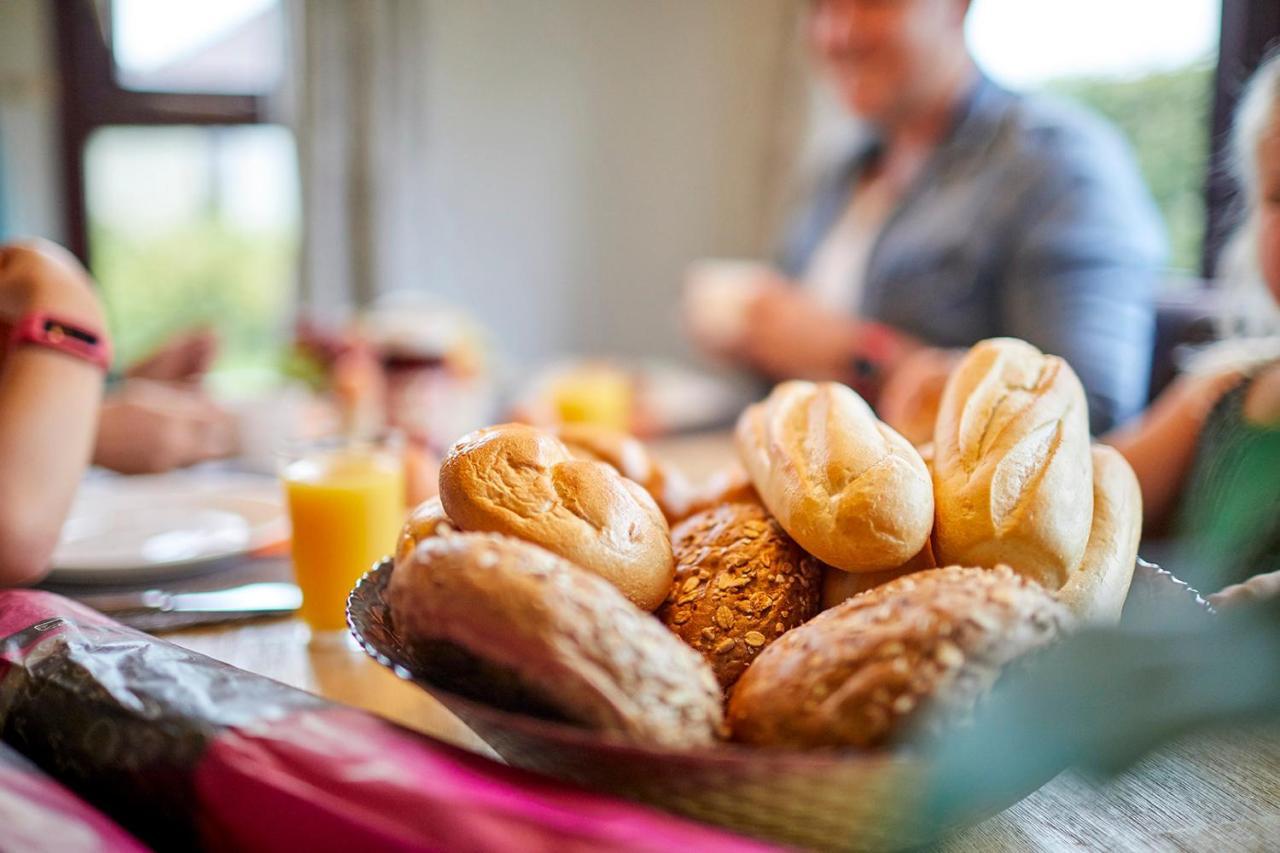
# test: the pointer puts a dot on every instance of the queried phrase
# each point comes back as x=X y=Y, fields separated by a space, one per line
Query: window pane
x=227 y=46
x=1145 y=64
x=194 y=226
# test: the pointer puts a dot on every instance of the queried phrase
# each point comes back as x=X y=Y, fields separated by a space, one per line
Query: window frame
x=1249 y=29
x=92 y=99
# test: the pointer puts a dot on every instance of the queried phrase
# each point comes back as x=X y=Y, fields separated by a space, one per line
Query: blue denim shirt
x=1030 y=220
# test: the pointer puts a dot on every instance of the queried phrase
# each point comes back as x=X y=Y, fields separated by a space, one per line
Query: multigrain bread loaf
x=741 y=583
x=916 y=653
x=1095 y=590
x=839 y=586
x=1012 y=474
x=523 y=482
x=847 y=488
x=566 y=636
x=630 y=458
x=427 y=519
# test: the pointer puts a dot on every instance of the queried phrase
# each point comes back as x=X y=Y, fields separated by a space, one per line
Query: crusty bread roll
x=741 y=582
x=727 y=486
x=532 y=624
x=1012 y=474
x=523 y=482
x=847 y=488
x=427 y=519
x=915 y=653
x=839 y=586
x=1096 y=589
x=630 y=458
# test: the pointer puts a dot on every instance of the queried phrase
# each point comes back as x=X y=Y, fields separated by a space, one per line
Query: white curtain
x=359 y=107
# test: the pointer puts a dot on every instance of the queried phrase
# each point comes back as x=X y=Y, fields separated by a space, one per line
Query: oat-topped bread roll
x=427 y=519
x=1012 y=473
x=846 y=487
x=916 y=652
x=568 y=638
x=741 y=583
x=631 y=459
x=839 y=586
x=1096 y=589
x=523 y=482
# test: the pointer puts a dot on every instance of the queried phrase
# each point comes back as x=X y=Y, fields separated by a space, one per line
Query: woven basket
x=841 y=800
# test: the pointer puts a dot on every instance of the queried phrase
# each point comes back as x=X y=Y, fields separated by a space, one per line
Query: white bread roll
x=519 y=481
x=1012 y=473
x=1096 y=589
x=845 y=487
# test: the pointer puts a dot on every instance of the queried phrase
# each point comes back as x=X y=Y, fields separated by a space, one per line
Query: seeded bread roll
x=1012 y=473
x=916 y=652
x=523 y=482
x=839 y=586
x=1096 y=589
x=741 y=583
x=630 y=458
x=847 y=488
x=567 y=637
x=427 y=519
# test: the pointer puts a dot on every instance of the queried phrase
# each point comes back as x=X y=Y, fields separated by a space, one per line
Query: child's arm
x=48 y=406
x=1161 y=444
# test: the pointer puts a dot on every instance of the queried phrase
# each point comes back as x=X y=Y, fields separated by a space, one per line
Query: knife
x=250 y=598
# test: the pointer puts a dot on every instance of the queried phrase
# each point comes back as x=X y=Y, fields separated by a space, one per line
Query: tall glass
x=346 y=506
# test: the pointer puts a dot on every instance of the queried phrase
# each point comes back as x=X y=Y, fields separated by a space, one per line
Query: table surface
x=1216 y=792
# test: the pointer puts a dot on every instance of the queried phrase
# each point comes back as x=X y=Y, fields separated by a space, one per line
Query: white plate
x=131 y=529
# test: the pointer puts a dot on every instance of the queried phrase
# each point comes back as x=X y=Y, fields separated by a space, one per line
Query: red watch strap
x=73 y=339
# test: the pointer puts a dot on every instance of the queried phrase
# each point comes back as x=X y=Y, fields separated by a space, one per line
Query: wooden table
x=1218 y=792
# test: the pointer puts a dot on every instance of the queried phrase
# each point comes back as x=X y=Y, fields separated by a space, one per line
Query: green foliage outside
x=1166 y=116
x=199 y=273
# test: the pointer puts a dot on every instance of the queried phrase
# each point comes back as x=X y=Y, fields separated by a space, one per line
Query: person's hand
x=151 y=427
x=716 y=301
x=185 y=357
x=912 y=394
x=1257 y=588
x=790 y=335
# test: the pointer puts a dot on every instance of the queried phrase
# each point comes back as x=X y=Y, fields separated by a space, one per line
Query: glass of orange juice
x=346 y=501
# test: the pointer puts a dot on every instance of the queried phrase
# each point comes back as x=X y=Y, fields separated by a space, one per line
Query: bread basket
x=847 y=800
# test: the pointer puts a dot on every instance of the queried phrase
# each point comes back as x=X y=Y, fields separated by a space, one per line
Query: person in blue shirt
x=963 y=211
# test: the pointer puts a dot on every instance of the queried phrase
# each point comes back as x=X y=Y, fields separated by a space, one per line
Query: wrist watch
x=877 y=349
x=75 y=340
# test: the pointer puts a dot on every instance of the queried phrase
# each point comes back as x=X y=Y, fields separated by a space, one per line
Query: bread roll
x=1012 y=474
x=915 y=653
x=741 y=582
x=727 y=486
x=565 y=638
x=631 y=459
x=1096 y=589
x=523 y=482
x=847 y=488
x=427 y=519
x=839 y=586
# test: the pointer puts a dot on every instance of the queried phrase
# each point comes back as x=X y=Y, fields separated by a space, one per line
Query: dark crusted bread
x=741 y=583
x=916 y=652
x=566 y=635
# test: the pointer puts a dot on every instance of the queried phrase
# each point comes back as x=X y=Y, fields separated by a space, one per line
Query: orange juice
x=596 y=395
x=346 y=507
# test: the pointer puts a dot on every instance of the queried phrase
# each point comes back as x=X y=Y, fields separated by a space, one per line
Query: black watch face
x=56 y=331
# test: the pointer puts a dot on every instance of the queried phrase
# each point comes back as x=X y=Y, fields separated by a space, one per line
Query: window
x=1147 y=65
x=182 y=200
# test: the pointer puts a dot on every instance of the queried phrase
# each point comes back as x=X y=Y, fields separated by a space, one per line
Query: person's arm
x=1161 y=445
x=1082 y=270
x=48 y=407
